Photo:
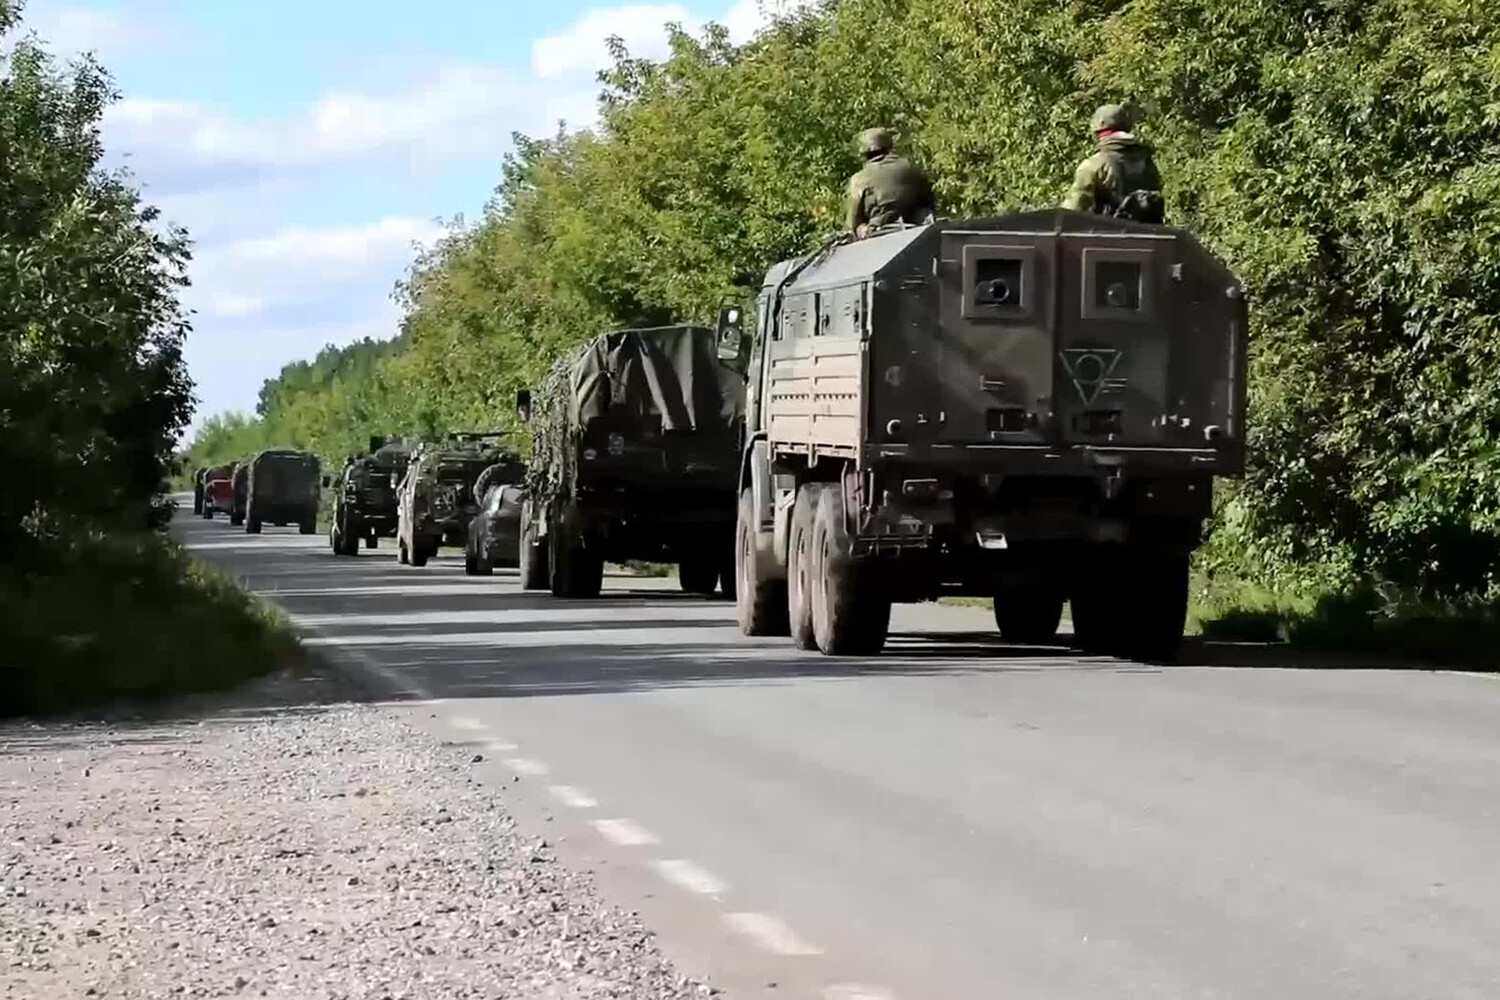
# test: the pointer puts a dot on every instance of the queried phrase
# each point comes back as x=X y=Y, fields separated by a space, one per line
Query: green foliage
x=93 y=391
x=1344 y=157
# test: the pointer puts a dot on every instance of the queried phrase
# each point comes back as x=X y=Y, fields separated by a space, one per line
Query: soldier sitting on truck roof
x=888 y=189
x=1121 y=178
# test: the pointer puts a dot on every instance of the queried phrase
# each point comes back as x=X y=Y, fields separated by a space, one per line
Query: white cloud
x=251 y=277
x=340 y=126
x=583 y=48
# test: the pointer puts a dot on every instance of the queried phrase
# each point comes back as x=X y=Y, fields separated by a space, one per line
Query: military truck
x=1031 y=408
x=281 y=487
x=436 y=501
x=635 y=450
x=364 y=497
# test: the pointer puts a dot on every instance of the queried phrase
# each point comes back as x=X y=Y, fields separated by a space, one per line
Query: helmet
x=876 y=140
x=1113 y=117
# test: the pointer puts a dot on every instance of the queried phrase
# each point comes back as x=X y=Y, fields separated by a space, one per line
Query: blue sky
x=307 y=145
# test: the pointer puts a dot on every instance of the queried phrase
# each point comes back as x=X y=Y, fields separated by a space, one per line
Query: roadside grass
x=100 y=619
x=1366 y=619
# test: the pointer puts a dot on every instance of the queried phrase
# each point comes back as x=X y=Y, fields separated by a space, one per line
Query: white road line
x=854 y=991
x=624 y=832
x=500 y=746
x=464 y=722
x=688 y=876
x=526 y=766
x=573 y=798
x=770 y=934
x=1471 y=673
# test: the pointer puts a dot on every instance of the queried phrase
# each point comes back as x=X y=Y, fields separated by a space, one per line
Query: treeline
x=1343 y=155
x=94 y=394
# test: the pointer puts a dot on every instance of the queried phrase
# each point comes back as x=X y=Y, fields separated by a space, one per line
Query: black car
x=495 y=532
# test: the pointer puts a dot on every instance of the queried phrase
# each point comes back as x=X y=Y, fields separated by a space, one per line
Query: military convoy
x=1030 y=408
x=364 y=497
x=435 y=501
x=635 y=449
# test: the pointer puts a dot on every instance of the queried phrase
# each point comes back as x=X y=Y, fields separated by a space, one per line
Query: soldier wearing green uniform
x=1121 y=178
x=888 y=190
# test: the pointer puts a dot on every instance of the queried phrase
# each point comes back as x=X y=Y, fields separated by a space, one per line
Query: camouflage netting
x=669 y=372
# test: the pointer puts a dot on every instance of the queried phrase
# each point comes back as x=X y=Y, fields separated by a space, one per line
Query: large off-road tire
x=403 y=554
x=334 y=541
x=759 y=605
x=235 y=519
x=418 y=554
x=851 y=612
x=577 y=570
x=799 y=578
x=1028 y=616
x=252 y=523
x=309 y=526
x=372 y=542
x=532 y=555
x=698 y=573
x=1133 y=604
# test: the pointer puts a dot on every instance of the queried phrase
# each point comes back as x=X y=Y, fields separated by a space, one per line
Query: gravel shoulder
x=272 y=846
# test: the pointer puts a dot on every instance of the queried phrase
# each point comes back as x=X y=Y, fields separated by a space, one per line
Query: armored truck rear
x=282 y=487
x=1030 y=408
x=636 y=442
x=364 y=497
x=436 y=501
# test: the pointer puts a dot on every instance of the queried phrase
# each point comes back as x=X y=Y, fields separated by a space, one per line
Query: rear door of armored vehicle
x=1077 y=334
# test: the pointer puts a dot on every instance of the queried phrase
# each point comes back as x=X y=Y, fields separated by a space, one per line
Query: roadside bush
x=128 y=616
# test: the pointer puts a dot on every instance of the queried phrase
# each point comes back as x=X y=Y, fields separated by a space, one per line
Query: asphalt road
x=956 y=819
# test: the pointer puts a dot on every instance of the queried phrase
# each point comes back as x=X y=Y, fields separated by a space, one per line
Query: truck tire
x=235 y=520
x=577 y=572
x=309 y=526
x=403 y=554
x=799 y=578
x=698 y=574
x=334 y=542
x=759 y=605
x=851 y=613
x=532 y=556
x=418 y=553
x=1133 y=606
x=252 y=522
x=1028 y=617
x=208 y=513
x=372 y=542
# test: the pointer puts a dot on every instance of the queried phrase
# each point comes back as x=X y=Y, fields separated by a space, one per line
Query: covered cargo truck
x=636 y=440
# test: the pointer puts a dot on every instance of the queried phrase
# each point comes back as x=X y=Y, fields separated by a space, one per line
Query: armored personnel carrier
x=436 y=501
x=281 y=487
x=364 y=497
x=636 y=442
x=1031 y=408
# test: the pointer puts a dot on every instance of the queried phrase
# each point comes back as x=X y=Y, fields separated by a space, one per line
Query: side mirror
x=523 y=405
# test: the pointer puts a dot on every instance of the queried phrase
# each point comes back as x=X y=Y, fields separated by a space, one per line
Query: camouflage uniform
x=888 y=190
x=1123 y=166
